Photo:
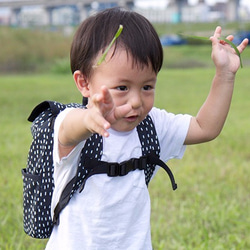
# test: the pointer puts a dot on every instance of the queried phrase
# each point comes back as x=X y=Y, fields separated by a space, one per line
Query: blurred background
x=210 y=209
x=36 y=35
x=26 y=13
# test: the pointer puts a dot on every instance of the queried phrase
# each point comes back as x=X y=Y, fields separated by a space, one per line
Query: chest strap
x=112 y=169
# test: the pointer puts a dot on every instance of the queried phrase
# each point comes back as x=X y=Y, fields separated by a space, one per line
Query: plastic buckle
x=123 y=169
x=134 y=164
x=114 y=169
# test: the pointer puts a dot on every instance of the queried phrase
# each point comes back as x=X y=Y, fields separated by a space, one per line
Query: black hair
x=138 y=38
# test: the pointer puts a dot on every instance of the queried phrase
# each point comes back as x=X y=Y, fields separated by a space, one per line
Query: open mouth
x=132 y=118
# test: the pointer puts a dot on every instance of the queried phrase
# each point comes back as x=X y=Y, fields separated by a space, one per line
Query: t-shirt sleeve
x=171 y=130
x=74 y=152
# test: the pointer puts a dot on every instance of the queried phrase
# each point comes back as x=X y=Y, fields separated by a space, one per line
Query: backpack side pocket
x=36 y=220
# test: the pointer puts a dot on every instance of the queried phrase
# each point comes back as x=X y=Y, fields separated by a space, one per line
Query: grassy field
x=210 y=210
x=37 y=50
x=211 y=207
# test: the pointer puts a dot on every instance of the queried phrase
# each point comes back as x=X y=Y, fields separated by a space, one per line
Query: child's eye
x=147 y=87
x=122 y=88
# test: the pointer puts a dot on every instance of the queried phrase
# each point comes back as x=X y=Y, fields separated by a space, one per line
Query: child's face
x=127 y=84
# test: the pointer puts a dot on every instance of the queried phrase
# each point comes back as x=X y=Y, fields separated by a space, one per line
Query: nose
x=135 y=100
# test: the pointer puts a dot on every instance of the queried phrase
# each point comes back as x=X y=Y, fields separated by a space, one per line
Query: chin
x=127 y=128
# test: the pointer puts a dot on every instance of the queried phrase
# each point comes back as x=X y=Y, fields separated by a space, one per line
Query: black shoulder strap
x=152 y=159
x=93 y=150
x=55 y=108
x=151 y=149
x=91 y=163
x=150 y=144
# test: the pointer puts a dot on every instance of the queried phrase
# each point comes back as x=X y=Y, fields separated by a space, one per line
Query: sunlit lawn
x=211 y=207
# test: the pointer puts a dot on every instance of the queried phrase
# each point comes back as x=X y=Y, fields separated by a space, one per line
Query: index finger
x=107 y=98
x=217 y=32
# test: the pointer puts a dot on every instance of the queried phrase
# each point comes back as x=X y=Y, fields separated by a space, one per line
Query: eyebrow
x=152 y=79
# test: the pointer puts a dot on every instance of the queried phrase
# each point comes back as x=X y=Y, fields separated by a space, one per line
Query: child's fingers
x=98 y=124
x=230 y=37
x=107 y=98
x=217 y=34
x=96 y=99
x=103 y=100
x=103 y=131
x=243 y=45
x=122 y=111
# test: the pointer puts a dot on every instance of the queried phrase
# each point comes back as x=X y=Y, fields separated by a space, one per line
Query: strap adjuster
x=121 y=169
x=142 y=163
x=114 y=169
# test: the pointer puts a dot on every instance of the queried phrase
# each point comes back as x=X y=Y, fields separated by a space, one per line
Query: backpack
x=38 y=182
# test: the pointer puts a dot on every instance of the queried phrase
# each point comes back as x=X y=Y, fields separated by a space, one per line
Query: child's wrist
x=225 y=76
x=225 y=73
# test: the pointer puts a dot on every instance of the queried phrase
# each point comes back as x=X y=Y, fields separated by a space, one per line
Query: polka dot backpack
x=38 y=183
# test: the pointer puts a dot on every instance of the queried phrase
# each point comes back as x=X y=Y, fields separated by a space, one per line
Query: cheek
x=149 y=107
x=149 y=102
x=118 y=99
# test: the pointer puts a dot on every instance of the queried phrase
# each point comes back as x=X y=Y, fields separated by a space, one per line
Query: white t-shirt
x=112 y=212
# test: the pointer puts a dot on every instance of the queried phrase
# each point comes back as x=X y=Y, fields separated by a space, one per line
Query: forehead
x=120 y=55
x=121 y=67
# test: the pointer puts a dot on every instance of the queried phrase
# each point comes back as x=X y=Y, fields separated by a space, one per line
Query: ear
x=81 y=83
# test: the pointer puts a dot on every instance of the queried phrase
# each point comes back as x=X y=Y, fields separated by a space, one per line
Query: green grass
x=27 y=50
x=19 y=93
x=210 y=208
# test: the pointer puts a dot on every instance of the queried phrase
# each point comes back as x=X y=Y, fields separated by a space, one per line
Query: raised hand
x=224 y=56
x=104 y=112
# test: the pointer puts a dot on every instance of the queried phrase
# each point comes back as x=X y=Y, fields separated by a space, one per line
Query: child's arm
x=80 y=124
x=210 y=119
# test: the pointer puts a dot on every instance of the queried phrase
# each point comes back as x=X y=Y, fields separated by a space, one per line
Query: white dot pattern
x=38 y=183
x=92 y=149
x=150 y=144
